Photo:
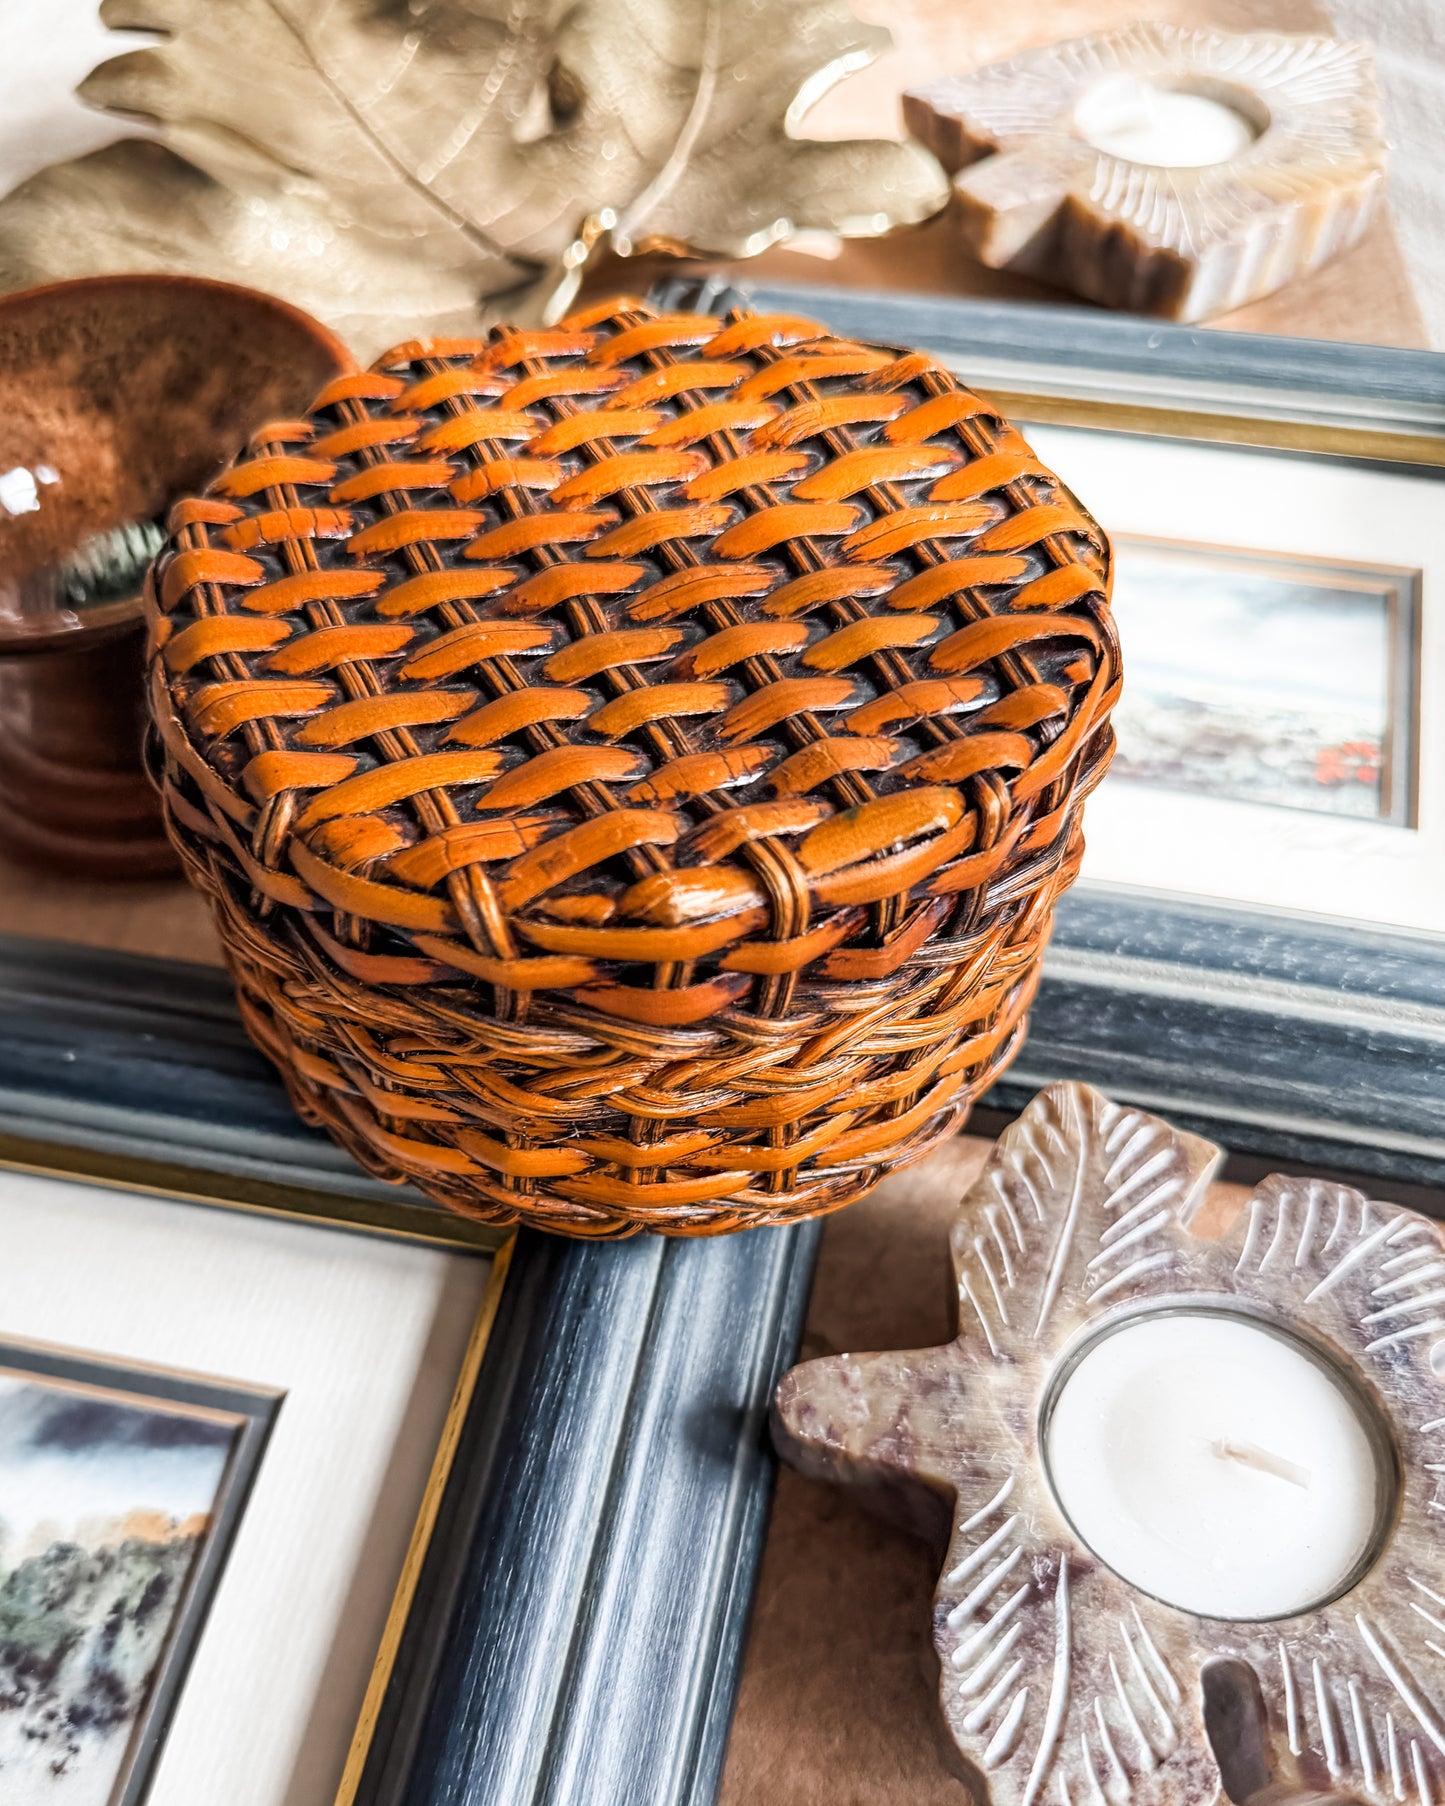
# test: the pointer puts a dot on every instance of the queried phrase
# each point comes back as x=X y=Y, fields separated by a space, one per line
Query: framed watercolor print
x=121 y=1490
x=185 y=1558
x=1264 y=960
x=1277 y=679
x=1282 y=728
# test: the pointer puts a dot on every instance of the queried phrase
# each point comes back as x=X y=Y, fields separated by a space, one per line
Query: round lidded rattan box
x=633 y=763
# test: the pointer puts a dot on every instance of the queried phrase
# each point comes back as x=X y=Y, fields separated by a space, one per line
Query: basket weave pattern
x=633 y=763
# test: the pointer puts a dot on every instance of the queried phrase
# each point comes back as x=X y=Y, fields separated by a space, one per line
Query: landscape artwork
x=1267 y=679
x=108 y=1500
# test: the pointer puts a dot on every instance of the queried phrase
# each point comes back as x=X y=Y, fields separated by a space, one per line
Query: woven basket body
x=633 y=763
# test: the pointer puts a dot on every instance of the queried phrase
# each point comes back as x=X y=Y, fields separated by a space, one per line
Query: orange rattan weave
x=633 y=763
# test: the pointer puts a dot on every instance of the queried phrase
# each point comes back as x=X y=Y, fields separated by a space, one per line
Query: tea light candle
x=1216 y=1464
x=1165 y=127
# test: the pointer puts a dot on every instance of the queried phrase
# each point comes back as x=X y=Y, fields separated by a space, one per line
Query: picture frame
x=95 y=1660
x=1345 y=738
x=1256 y=450
x=1288 y=1035
x=603 y=1483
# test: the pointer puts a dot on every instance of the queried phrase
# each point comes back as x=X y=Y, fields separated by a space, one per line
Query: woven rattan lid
x=633 y=762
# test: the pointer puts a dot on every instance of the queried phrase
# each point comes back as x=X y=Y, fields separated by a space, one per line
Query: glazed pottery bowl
x=117 y=394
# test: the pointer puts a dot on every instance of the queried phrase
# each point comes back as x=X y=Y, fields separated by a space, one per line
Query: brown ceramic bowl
x=117 y=394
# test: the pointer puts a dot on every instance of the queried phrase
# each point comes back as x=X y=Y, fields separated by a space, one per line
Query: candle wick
x=1249 y=1454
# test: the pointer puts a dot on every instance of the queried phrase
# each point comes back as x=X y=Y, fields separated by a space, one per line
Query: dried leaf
x=392 y=167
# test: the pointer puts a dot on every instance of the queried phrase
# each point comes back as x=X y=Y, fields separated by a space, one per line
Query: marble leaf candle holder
x=1063 y=1680
x=1171 y=171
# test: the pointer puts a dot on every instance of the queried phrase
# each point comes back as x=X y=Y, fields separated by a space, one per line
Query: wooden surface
x=837 y=1704
x=164 y=917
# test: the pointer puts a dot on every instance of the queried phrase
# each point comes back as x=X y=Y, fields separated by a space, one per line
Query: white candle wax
x=1215 y=1465
x=1168 y=127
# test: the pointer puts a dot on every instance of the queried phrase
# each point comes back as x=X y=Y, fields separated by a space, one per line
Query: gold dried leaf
x=391 y=166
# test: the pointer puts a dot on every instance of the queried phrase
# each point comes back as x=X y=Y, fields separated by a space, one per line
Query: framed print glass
x=121 y=1489
x=1276 y=679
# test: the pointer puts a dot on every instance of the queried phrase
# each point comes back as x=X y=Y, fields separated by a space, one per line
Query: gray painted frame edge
x=1376 y=382
x=579 y=1628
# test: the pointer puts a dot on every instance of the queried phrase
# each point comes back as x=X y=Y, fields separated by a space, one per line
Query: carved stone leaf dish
x=391 y=167
x=1060 y=1680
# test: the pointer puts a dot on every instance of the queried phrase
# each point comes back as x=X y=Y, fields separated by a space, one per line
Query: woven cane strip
x=633 y=763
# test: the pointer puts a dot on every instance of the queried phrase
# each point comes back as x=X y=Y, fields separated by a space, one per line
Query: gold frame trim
x=1381 y=445
x=272 y=1201
x=259 y=1197
x=421 y=1536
